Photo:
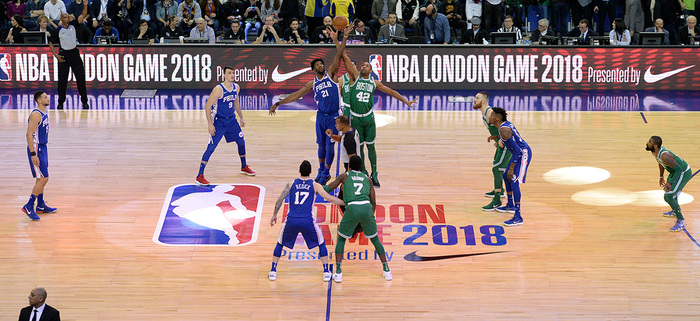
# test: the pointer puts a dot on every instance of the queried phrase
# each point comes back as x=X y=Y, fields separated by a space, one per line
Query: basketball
x=340 y=23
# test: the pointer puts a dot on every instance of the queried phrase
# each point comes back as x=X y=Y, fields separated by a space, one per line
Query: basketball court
x=594 y=244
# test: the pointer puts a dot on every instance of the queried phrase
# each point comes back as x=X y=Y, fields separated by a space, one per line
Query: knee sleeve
x=278 y=250
x=322 y=250
x=241 y=146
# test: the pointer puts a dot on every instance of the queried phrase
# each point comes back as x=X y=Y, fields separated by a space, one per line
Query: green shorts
x=678 y=185
x=501 y=158
x=354 y=214
x=366 y=127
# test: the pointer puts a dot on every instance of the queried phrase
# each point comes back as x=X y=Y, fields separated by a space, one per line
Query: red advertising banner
x=400 y=67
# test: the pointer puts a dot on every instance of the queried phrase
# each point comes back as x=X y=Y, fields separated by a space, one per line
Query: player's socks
x=202 y=165
x=40 y=200
x=326 y=267
x=497 y=196
x=243 y=162
x=32 y=198
x=385 y=266
x=372 y=154
x=274 y=266
x=338 y=270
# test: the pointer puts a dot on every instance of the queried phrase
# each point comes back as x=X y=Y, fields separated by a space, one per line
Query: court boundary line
x=684 y=229
x=644 y=118
x=328 y=296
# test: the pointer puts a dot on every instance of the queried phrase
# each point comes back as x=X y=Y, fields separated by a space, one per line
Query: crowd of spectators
x=305 y=21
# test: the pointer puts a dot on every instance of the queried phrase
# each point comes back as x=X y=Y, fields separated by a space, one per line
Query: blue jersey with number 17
x=301 y=198
x=327 y=95
x=225 y=106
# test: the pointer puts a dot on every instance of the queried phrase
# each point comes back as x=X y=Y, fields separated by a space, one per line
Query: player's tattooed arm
x=278 y=204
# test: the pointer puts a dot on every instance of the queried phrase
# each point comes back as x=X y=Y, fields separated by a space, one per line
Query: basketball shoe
x=338 y=277
x=375 y=180
x=387 y=275
x=679 y=226
x=200 y=180
x=247 y=171
x=326 y=276
x=492 y=193
x=670 y=214
x=491 y=207
x=514 y=221
x=272 y=275
x=45 y=209
x=29 y=210
x=506 y=209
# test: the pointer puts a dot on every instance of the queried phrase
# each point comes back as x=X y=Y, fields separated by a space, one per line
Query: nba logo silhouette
x=5 y=67
x=376 y=62
x=224 y=214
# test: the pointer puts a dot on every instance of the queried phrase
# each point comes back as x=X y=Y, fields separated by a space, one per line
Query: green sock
x=385 y=266
x=372 y=153
x=362 y=155
x=496 y=196
x=337 y=268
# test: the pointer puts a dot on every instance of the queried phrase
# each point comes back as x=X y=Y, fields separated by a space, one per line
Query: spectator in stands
x=542 y=30
x=605 y=8
x=514 y=8
x=320 y=34
x=314 y=14
x=391 y=29
x=380 y=13
x=476 y=36
x=581 y=9
x=559 y=15
x=106 y=30
x=634 y=16
x=619 y=35
x=455 y=15
x=32 y=11
x=362 y=30
x=101 y=11
x=472 y=9
x=582 y=32
x=164 y=10
x=144 y=32
x=436 y=27
x=493 y=9
x=74 y=7
x=15 y=35
x=124 y=19
x=659 y=27
x=43 y=22
x=289 y=10
x=688 y=31
x=232 y=10
x=294 y=34
x=53 y=10
x=407 y=12
x=145 y=10
x=669 y=11
x=188 y=12
x=508 y=26
x=269 y=33
x=82 y=31
x=345 y=8
x=172 y=29
x=252 y=16
x=15 y=7
x=235 y=32
x=203 y=31
x=210 y=8
x=271 y=8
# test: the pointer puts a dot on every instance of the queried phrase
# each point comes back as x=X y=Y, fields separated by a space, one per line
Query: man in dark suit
x=386 y=30
x=362 y=30
x=688 y=31
x=659 y=27
x=38 y=310
x=477 y=35
x=582 y=32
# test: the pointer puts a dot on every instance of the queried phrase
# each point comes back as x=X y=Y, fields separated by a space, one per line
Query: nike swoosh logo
x=651 y=78
x=280 y=77
x=417 y=258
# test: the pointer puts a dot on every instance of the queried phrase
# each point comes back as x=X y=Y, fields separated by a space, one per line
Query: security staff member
x=68 y=55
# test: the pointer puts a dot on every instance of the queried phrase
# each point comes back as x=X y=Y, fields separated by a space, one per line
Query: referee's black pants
x=75 y=63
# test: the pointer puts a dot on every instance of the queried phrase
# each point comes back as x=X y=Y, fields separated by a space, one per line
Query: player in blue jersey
x=327 y=97
x=301 y=219
x=37 y=138
x=517 y=167
x=219 y=110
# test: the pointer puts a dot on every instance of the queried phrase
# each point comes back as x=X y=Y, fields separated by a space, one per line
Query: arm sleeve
x=514 y=149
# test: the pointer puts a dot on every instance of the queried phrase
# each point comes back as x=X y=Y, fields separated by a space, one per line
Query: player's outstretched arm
x=337 y=181
x=292 y=97
x=328 y=197
x=341 y=49
x=395 y=94
x=278 y=204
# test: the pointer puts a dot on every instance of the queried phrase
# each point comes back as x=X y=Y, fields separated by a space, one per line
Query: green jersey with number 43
x=362 y=95
x=356 y=187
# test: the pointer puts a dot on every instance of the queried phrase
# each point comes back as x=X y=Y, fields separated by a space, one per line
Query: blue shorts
x=520 y=170
x=229 y=128
x=306 y=226
x=323 y=123
x=43 y=154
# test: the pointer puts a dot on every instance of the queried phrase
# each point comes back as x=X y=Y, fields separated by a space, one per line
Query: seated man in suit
x=38 y=309
x=391 y=29
x=582 y=32
x=476 y=36
x=659 y=27
x=542 y=30
x=686 y=32
x=362 y=30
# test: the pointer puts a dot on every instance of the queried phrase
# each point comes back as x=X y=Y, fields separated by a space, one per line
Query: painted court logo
x=376 y=62
x=225 y=214
x=5 y=67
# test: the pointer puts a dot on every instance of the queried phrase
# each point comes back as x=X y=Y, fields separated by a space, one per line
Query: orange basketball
x=340 y=23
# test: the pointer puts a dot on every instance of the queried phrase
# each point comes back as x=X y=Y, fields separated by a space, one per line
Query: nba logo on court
x=224 y=214
x=376 y=62
x=5 y=67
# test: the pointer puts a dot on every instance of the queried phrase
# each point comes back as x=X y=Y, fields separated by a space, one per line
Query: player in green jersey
x=500 y=158
x=679 y=174
x=361 y=102
x=360 y=205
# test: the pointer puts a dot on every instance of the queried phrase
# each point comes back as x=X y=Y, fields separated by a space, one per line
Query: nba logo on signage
x=5 y=67
x=225 y=214
x=376 y=62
